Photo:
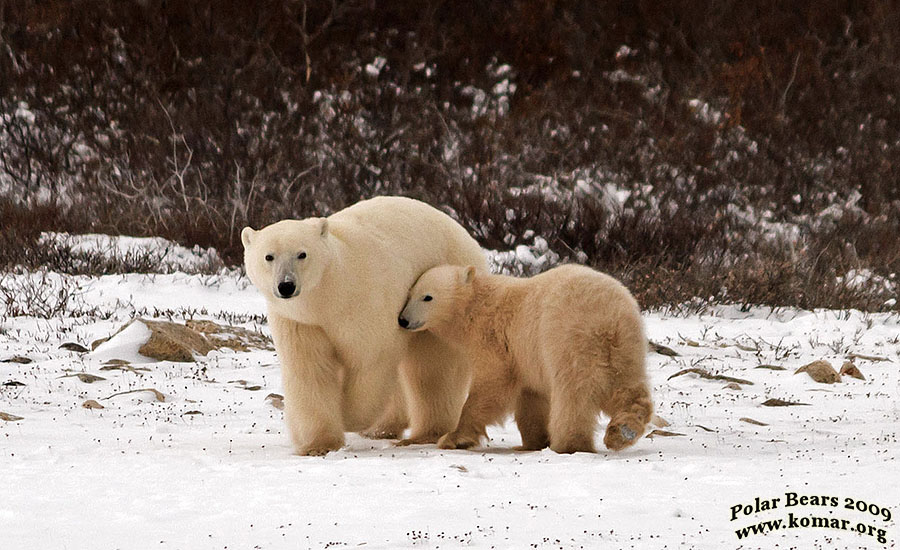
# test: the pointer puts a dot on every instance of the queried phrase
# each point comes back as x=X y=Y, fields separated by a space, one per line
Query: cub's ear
x=469 y=275
x=247 y=236
x=323 y=227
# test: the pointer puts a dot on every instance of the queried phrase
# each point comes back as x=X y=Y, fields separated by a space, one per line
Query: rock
x=276 y=400
x=852 y=371
x=9 y=417
x=73 y=346
x=662 y=350
x=780 y=403
x=733 y=386
x=91 y=404
x=820 y=371
x=658 y=421
x=770 y=367
x=663 y=433
x=18 y=359
x=231 y=337
x=170 y=341
x=751 y=421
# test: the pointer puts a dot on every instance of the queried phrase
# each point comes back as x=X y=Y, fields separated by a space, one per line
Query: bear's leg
x=435 y=380
x=629 y=409
x=573 y=415
x=392 y=422
x=311 y=377
x=532 y=412
x=489 y=400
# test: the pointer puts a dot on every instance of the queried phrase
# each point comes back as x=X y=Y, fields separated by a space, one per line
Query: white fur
x=344 y=357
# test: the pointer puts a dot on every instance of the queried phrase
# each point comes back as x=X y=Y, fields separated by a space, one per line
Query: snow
x=211 y=466
x=125 y=345
x=374 y=68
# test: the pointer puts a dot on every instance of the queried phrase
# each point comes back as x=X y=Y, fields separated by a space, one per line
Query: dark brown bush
x=190 y=120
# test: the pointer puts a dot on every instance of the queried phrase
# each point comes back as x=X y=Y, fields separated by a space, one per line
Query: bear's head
x=434 y=299
x=287 y=259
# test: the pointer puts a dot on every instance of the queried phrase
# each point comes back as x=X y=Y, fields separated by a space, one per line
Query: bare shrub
x=41 y=294
x=667 y=143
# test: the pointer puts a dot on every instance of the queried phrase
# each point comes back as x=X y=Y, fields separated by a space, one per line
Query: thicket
x=734 y=151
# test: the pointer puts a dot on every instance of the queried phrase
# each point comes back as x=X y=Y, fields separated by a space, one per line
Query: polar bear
x=557 y=348
x=334 y=287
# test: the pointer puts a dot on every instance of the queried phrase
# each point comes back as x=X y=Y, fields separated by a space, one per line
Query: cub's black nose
x=403 y=322
x=286 y=289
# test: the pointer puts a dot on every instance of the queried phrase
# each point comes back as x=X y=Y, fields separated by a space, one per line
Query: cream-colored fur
x=346 y=365
x=555 y=349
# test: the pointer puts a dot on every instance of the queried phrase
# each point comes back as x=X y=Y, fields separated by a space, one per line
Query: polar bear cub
x=556 y=349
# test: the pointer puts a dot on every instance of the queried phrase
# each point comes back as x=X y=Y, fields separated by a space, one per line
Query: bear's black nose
x=286 y=289
x=403 y=322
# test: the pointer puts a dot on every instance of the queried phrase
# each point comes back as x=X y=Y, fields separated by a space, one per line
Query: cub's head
x=286 y=258
x=434 y=299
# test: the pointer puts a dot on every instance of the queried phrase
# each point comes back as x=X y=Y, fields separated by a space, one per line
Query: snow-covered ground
x=211 y=466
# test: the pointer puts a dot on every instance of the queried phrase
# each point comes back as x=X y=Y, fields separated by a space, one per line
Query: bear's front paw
x=457 y=441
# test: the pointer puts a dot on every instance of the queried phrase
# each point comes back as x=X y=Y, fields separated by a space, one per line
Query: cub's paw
x=455 y=440
x=622 y=434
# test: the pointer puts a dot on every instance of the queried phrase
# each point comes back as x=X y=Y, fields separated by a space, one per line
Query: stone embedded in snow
x=73 y=346
x=89 y=378
x=820 y=371
x=124 y=344
x=142 y=340
x=770 y=367
x=277 y=400
x=658 y=421
x=663 y=433
x=775 y=402
x=661 y=349
x=6 y=417
x=852 y=370
x=751 y=421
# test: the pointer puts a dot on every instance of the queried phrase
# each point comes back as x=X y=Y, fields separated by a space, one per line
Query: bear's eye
x=301 y=256
x=269 y=257
x=427 y=298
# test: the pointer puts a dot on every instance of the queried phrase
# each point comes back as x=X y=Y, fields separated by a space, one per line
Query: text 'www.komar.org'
x=800 y=521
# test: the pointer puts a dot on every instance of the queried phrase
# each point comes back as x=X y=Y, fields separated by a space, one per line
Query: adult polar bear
x=334 y=287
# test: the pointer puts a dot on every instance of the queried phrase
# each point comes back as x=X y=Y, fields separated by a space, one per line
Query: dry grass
x=189 y=121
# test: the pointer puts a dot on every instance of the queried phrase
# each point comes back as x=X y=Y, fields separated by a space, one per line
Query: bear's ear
x=469 y=274
x=247 y=236
x=323 y=227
